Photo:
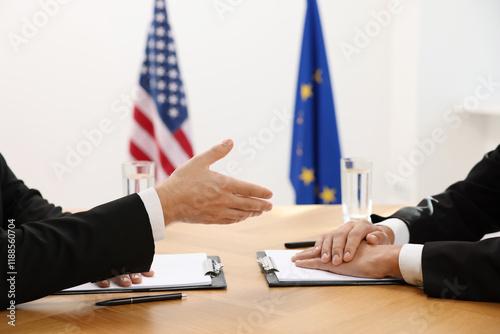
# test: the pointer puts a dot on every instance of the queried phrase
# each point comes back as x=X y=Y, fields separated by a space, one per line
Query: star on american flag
x=173 y=112
x=160 y=45
x=160 y=32
x=160 y=58
x=161 y=85
x=173 y=86
x=160 y=4
x=160 y=17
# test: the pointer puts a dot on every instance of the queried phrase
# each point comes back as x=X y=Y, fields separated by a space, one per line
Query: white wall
x=81 y=67
x=459 y=51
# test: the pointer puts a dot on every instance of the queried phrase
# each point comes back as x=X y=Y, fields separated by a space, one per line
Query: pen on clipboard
x=141 y=299
x=300 y=244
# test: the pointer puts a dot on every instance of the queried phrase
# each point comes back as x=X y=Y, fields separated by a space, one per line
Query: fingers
x=104 y=283
x=377 y=238
x=326 y=249
x=241 y=215
x=306 y=254
x=381 y=236
x=341 y=245
x=135 y=278
x=315 y=263
x=124 y=281
x=249 y=189
x=150 y=273
x=348 y=238
x=195 y=194
x=311 y=252
x=372 y=239
x=357 y=234
x=249 y=204
x=318 y=245
x=371 y=261
x=215 y=153
x=339 y=238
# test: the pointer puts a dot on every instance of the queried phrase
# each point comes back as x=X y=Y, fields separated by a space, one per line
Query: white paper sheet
x=171 y=270
x=288 y=272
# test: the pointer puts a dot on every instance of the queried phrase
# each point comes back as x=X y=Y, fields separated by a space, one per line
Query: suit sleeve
x=462 y=270
x=48 y=250
x=454 y=263
x=57 y=253
x=20 y=202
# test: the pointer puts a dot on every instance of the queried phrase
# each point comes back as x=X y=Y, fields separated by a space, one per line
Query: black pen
x=142 y=299
x=300 y=244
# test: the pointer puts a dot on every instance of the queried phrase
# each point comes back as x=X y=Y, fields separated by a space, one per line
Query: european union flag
x=315 y=164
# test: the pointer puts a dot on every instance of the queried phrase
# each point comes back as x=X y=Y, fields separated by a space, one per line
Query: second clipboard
x=270 y=269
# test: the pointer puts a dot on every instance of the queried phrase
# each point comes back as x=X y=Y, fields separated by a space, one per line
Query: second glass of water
x=137 y=176
x=356 y=184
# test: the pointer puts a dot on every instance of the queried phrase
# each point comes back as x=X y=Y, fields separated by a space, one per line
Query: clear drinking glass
x=137 y=176
x=356 y=181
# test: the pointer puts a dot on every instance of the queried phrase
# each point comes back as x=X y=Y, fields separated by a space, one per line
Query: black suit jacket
x=454 y=263
x=52 y=250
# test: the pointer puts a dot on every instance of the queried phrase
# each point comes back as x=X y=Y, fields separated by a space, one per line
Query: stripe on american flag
x=169 y=151
x=160 y=130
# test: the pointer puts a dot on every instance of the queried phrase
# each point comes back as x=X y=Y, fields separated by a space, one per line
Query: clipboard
x=269 y=270
x=211 y=266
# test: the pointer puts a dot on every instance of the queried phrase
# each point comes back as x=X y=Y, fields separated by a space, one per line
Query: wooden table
x=248 y=305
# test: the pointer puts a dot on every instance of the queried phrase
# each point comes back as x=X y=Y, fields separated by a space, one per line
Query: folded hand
x=342 y=244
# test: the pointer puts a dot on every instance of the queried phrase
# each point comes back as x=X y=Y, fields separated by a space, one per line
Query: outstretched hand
x=195 y=194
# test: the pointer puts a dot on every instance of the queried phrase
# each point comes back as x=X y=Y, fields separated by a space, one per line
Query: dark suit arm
x=462 y=270
x=466 y=211
x=57 y=253
x=20 y=202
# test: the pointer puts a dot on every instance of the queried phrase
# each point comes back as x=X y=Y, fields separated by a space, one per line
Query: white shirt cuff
x=400 y=229
x=410 y=264
x=153 y=208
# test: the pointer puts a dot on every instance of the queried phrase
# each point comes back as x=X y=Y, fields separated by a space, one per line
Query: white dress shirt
x=410 y=257
x=153 y=207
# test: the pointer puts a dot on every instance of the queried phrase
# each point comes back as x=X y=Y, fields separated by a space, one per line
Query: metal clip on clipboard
x=212 y=267
x=267 y=263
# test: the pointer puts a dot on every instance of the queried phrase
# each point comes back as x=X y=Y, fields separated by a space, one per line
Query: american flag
x=160 y=131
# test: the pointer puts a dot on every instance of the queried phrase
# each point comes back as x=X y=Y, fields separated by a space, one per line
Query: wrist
x=391 y=258
x=167 y=213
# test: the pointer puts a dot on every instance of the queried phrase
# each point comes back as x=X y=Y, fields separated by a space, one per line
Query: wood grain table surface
x=248 y=305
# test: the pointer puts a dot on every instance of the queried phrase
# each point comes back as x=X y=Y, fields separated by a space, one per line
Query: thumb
x=377 y=238
x=372 y=239
x=215 y=153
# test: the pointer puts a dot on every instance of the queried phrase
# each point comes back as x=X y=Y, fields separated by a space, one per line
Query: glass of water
x=137 y=176
x=356 y=184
